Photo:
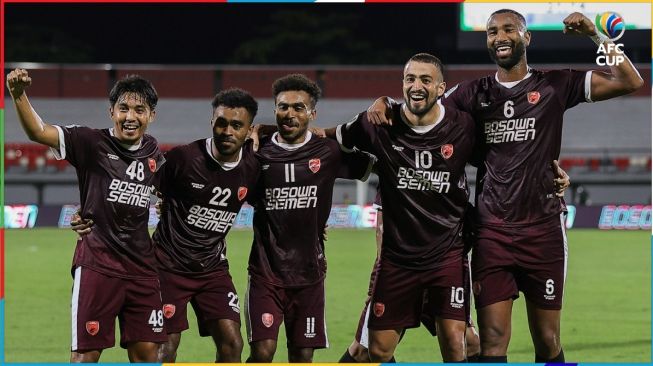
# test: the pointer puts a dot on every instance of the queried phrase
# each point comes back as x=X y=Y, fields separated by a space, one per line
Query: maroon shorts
x=362 y=335
x=530 y=259
x=300 y=309
x=98 y=299
x=213 y=297
x=399 y=294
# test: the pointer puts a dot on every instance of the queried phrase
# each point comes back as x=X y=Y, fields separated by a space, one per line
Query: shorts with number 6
x=530 y=259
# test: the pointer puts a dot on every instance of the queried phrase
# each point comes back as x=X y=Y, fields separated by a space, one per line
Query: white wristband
x=599 y=38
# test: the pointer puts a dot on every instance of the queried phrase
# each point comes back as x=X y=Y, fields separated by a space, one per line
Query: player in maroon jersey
x=287 y=264
x=521 y=240
x=113 y=267
x=204 y=184
x=424 y=190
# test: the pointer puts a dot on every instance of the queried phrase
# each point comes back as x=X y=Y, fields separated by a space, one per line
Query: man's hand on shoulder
x=380 y=112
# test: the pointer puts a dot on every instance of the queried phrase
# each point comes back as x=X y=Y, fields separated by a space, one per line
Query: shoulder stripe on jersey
x=588 y=87
x=451 y=90
x=60 y=153
x=339 y=138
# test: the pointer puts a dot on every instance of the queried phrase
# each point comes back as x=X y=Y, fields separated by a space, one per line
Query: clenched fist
x=17 y=81
x=577 y=23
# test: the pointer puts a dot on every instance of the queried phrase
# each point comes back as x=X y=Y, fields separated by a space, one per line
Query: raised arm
x=36 y=130
x=622 y=78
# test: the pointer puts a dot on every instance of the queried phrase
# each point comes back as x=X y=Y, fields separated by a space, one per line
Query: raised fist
x=17 y=81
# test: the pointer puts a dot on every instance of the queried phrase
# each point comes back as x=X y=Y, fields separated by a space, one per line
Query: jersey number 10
x=423 y=159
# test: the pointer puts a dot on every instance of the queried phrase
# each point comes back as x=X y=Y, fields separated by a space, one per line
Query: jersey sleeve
x=75 y=144
x=458 y=97
x=356 y=165
x=165 y=176
x=572 y=86
x=357 y=133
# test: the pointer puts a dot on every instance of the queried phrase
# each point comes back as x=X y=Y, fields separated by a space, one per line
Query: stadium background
x=356 y=53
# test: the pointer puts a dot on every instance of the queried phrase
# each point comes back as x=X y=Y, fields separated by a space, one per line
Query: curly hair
x=297 y=82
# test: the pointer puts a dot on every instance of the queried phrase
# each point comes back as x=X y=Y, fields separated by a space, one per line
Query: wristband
x=599 y=38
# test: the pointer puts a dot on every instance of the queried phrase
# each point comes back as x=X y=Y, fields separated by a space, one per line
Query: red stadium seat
x=622 y=163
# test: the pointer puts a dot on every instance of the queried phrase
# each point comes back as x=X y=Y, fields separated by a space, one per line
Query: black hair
x=236 y=98
x=518 y=14
x=297 y=82
x=137 y=85
x=428 y=59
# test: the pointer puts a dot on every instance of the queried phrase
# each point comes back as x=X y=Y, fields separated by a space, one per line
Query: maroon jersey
x=115 y=185
x=202 y=198
x=519 y=132
x=293 y=203
x=422 y=182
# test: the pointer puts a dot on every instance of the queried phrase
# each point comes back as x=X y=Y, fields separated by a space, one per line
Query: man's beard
x=518 y=51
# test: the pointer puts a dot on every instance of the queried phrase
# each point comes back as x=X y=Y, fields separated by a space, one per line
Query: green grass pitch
x=606 y=317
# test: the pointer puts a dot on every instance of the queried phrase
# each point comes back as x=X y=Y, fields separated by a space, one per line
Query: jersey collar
x=510 y=84
x=223 y=164
x=127 y=146
x=290 y=147
x=424 y=129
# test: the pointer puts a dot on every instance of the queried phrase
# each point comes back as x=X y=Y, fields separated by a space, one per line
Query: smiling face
x=130 y=115
x=422 y=86
x=507 y=39
x=230 y=129
x=293 y=111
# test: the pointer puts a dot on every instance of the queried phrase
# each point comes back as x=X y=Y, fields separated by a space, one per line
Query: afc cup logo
x=611 y=24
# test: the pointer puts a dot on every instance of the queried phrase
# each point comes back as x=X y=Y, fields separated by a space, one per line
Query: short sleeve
x=358 y=133
x=74 y=144
x=458 y=97
x=572 y=86
x=356 y=165
x=165 y=175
